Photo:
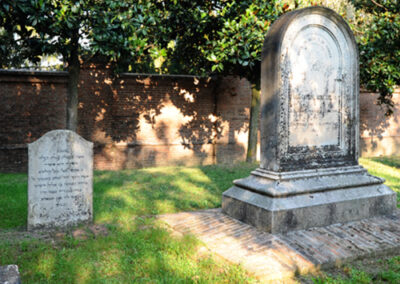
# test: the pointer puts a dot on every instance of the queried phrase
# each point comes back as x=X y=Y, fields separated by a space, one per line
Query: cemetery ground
x=127 y=244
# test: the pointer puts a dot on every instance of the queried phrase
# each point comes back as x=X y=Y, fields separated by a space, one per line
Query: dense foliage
x=379 y=43
x=116 y=30
x=216 y=37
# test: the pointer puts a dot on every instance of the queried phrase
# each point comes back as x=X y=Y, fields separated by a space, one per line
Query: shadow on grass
x=145 y=252
x=388 y=161
x=137 y=248
x=123 y=194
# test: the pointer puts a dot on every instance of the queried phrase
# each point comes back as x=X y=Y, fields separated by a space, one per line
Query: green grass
x=387 y=168
x=384 y=270
x=137 y=249
x=151 y=191
x=13 y=200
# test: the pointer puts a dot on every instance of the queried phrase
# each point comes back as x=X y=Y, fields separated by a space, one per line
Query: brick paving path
x=279 y=256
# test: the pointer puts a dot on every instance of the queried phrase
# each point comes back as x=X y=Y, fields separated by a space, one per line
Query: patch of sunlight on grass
x=104 y=217
x=165 y=205
x=195 y=174
x=108 y=263
x=46 y=264
x=380 y=168
x=389 y=172
x=163 y=170
x=124 y=195
x=84 y=274
x=191 y=193
x=189 y=187
x=180 y=266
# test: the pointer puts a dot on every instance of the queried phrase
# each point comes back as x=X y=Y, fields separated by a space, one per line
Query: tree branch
x=379 y=5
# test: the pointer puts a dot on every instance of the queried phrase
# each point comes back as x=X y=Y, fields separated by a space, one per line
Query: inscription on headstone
x=315 y=84
x=60 y=180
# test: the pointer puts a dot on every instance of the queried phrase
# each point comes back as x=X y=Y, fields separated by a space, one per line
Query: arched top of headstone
x=309 y=92
x=324 y=15
x=58 y=133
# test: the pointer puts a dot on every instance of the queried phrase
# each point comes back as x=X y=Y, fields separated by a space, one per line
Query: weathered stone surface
x=309 y=174
x=60 y=183
x=283 y=184
x=9 y=274
x=302 y=211
x=310 y=92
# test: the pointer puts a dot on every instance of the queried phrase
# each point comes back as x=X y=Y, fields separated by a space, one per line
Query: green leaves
x=379 y=48
x=117 y=30
x=217 y=37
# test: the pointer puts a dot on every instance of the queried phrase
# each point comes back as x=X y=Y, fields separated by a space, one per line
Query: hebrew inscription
x=60 y=180
x=315 y=84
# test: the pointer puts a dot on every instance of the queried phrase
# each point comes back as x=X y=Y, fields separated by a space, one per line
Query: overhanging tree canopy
x=378 y=34
x=118 y=30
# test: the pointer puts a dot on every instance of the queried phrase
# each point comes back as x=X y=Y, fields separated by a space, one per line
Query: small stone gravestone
x=9 y=274
x=309 y=174
x=60 y=182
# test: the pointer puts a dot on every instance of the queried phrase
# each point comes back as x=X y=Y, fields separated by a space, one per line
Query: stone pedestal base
x=281 y=202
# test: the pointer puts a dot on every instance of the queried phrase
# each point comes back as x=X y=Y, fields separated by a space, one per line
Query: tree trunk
x=72 y=91
x=253 y=124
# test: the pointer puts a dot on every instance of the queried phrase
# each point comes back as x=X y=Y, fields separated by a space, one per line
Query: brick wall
x=380 y=135
x=233 y=98
x=31 y=104
x=134 y=120
x=149 y=120
x=140 y=120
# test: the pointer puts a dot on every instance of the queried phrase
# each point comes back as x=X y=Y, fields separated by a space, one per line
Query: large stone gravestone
x=309 y=174
x=60 y=182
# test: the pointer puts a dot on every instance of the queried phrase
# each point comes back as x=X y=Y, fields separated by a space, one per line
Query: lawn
x=135 y=247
